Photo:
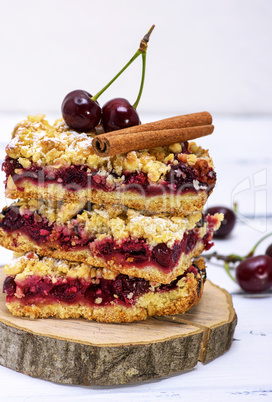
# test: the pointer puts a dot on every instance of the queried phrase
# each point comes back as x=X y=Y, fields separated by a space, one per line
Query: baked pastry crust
x=37 y=144
x=108 y=226
x=149 y=272
x=100 y=221
x=35 y=140
x=187 y=293
x=175 y=204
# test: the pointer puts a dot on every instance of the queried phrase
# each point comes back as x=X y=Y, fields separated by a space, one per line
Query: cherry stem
x=233 y=258
x=227 y=268
x=251 y=253
x=141 y=50
x=142 y=81
x=226 y=258
x=143 y=47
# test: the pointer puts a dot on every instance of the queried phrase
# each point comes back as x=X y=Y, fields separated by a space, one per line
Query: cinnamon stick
x=186 y=120
x=150 y=135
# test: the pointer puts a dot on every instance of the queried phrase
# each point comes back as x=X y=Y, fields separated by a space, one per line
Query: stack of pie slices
x=112 y=239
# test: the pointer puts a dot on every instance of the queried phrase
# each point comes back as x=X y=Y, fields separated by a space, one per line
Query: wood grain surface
x=76 y=351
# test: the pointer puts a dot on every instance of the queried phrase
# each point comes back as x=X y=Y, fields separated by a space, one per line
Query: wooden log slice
x=80 y=352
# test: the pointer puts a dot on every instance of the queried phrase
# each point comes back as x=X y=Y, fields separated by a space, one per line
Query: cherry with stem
x=80 y=109
x=253 y=273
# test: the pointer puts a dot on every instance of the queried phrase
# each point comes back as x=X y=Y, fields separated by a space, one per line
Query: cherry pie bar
x=55 y=162
x=41 y=287
x=112 y=239
x=154 y=247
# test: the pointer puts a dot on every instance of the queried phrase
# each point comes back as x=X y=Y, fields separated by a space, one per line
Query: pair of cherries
x=81 y=111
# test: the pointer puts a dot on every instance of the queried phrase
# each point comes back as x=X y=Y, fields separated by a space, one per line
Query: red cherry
x=254 y=274
x=118 y=113
x=9 y=286
x=162 y=255
x=79 y=111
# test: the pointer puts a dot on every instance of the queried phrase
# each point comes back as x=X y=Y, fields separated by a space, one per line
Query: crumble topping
x=36 y=141
x=31 y=264
x=100 y=221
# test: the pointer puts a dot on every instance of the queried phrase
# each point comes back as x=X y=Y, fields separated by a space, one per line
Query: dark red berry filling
x=37 y=229
x=9 y=286
x=139 y=253
x=207 y=238
x=177 y=181
x=129 y=252
x=122 y=290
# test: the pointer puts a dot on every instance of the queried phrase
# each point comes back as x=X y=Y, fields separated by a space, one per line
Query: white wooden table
x=241 y=149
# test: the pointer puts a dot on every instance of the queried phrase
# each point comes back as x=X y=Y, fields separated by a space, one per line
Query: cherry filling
x=138 y=253
x=70 y=237
x=178 y=180
x=32 y=225
x=207 y=238
x=123 y=290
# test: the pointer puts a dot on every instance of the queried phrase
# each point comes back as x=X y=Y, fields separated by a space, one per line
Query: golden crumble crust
x=35 y=140
x=30 y=264
x=188 y=293
x=118 y=222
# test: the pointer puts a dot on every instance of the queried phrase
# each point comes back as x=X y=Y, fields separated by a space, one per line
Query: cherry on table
x=80 y=112
x=254 y=274
x=227 y=224
x=117 y=114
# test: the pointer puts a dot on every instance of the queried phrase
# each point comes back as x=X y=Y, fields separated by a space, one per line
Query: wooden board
x=89 y=353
